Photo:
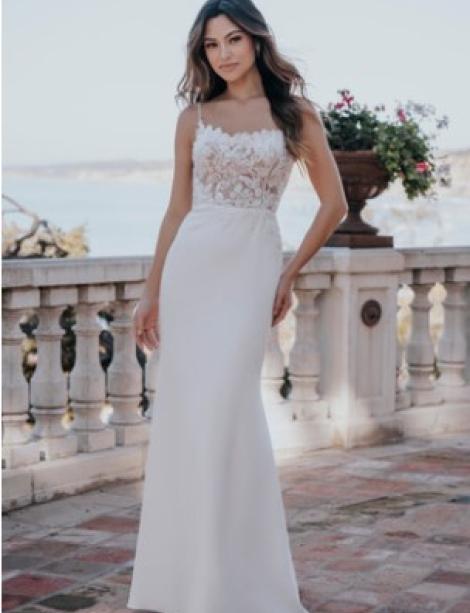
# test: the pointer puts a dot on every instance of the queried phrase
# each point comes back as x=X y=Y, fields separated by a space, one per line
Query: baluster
x=87 y=379
x=124 y=372
x=420 y=349
x=304 y=359
x=151 y=369
x=402 y=395
x=272 y=378
x=452 y=346
x=49 y=383
x=19 y=448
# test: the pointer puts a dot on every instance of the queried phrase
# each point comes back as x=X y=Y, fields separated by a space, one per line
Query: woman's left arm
x=326 y=181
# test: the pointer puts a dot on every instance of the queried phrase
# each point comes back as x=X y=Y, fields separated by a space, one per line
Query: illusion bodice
x=244 y=169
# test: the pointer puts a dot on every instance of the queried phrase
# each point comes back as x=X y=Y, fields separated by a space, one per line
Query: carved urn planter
x=363 y=177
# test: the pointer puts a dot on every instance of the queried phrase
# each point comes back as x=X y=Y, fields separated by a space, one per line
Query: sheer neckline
x=260 y=131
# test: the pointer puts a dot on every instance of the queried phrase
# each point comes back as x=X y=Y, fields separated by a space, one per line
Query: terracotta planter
x=363 y=177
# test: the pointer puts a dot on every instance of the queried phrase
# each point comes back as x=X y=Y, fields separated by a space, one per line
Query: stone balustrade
x=375 y=348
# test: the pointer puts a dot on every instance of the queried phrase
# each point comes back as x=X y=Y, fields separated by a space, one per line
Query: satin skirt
x=213 y=535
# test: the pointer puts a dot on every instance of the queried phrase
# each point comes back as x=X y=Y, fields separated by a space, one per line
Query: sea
x=122 y=217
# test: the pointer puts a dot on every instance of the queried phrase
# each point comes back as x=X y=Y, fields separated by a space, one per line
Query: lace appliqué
x=245 y=169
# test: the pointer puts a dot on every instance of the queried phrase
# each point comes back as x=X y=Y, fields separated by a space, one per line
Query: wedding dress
x=213 y=535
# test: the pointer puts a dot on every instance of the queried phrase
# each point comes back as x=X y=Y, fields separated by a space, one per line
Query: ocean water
x=123 y=217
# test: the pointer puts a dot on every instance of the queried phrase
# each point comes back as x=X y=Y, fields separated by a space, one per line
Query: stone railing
x=363 y=357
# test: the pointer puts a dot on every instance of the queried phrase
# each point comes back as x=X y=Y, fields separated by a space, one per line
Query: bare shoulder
x=313 y=133
x=310 y=112
x=186 y=122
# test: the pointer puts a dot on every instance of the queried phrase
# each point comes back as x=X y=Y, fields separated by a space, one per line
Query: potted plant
x=371 y=152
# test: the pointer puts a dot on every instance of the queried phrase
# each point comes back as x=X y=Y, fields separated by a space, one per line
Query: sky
x=95 y=80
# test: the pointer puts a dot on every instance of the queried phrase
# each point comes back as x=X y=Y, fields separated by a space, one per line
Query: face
x=229 y=50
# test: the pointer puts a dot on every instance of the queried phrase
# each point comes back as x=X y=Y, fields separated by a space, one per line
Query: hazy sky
x=88 y=80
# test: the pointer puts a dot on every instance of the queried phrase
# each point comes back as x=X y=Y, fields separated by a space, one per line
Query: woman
x=213 y=535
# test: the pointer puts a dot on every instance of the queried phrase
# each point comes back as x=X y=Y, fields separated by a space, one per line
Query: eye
x=234 y=39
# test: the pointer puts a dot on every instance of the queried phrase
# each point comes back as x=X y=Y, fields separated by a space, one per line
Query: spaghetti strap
x=199 y=113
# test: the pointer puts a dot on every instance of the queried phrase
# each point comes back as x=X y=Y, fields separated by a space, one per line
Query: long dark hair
x=283 y=85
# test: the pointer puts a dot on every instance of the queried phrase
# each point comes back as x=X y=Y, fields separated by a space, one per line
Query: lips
x=229 y=66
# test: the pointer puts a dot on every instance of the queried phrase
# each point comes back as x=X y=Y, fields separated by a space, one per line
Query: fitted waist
x=216 y=207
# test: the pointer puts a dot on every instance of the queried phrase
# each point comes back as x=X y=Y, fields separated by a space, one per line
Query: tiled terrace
x=382 y=529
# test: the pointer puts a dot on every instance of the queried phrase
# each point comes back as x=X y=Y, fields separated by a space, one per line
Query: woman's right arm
x=146 y=313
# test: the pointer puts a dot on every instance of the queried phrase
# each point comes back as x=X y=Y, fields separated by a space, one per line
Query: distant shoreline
x=161 y=171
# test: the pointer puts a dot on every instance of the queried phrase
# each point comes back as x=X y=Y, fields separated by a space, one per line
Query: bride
x=212 y=535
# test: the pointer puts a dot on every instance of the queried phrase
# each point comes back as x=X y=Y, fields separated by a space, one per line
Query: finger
x=276 y=317
x=280 y=305
x=153 y=336
x=148 y=340
x=276 y=305
x=282 y=313
x=139 y=337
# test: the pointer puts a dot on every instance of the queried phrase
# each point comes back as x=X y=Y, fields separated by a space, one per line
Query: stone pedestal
x=358 y=344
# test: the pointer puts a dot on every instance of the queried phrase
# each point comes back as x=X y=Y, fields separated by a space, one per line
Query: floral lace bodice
x=244 y=169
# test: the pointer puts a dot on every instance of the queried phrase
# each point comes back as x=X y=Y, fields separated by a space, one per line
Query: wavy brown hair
x=283 y=85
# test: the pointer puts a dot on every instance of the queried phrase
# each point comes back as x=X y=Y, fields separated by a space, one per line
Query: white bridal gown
x=213 y=534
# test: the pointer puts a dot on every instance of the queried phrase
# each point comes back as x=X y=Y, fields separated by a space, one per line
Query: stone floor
x=380 y=529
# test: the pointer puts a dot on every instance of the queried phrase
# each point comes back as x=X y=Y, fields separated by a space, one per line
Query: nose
x=224 y=51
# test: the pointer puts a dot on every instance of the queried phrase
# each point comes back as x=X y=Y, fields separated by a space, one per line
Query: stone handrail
x=338 y=371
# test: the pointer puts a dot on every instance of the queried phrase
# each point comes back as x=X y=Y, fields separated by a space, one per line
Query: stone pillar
x=420 y=349
x=402 y=398
x=452 y=346
x=49 y=383
x=358 y=331
x=124 y=372
x=87 y=379
x=304 y=358
x=272 y=378
x=151 y=380
x=18 y=446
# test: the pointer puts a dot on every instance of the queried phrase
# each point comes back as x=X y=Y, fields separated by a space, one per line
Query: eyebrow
x=231 y=32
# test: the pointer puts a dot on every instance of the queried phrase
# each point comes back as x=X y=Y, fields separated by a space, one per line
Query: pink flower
x=401 y=115
x=346 y=98
x=421 y=166
x=339 y=105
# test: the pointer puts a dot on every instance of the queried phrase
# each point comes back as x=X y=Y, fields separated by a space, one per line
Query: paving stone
x=110 y=523
x=381 y=529
x=449 y=577
x=110 y=555
x=20 y=562
x=408 y=602
x=58 y=513
x=441 y=591
x=343 y=607
x=81 y=536
x=12 y=601
x=47 y=548
x=362 y=597
x=460 y=607
x=75 y=568
x=389 y=577
x=34 y=585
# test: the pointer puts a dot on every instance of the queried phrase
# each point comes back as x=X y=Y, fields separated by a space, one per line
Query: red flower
x=422 y=166
x=346 y=98
x=401 y=115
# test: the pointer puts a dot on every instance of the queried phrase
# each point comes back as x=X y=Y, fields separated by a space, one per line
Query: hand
x=283 y=299
x=145 y=323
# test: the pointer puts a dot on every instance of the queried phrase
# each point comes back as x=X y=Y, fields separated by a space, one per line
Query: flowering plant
x=401 y=145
